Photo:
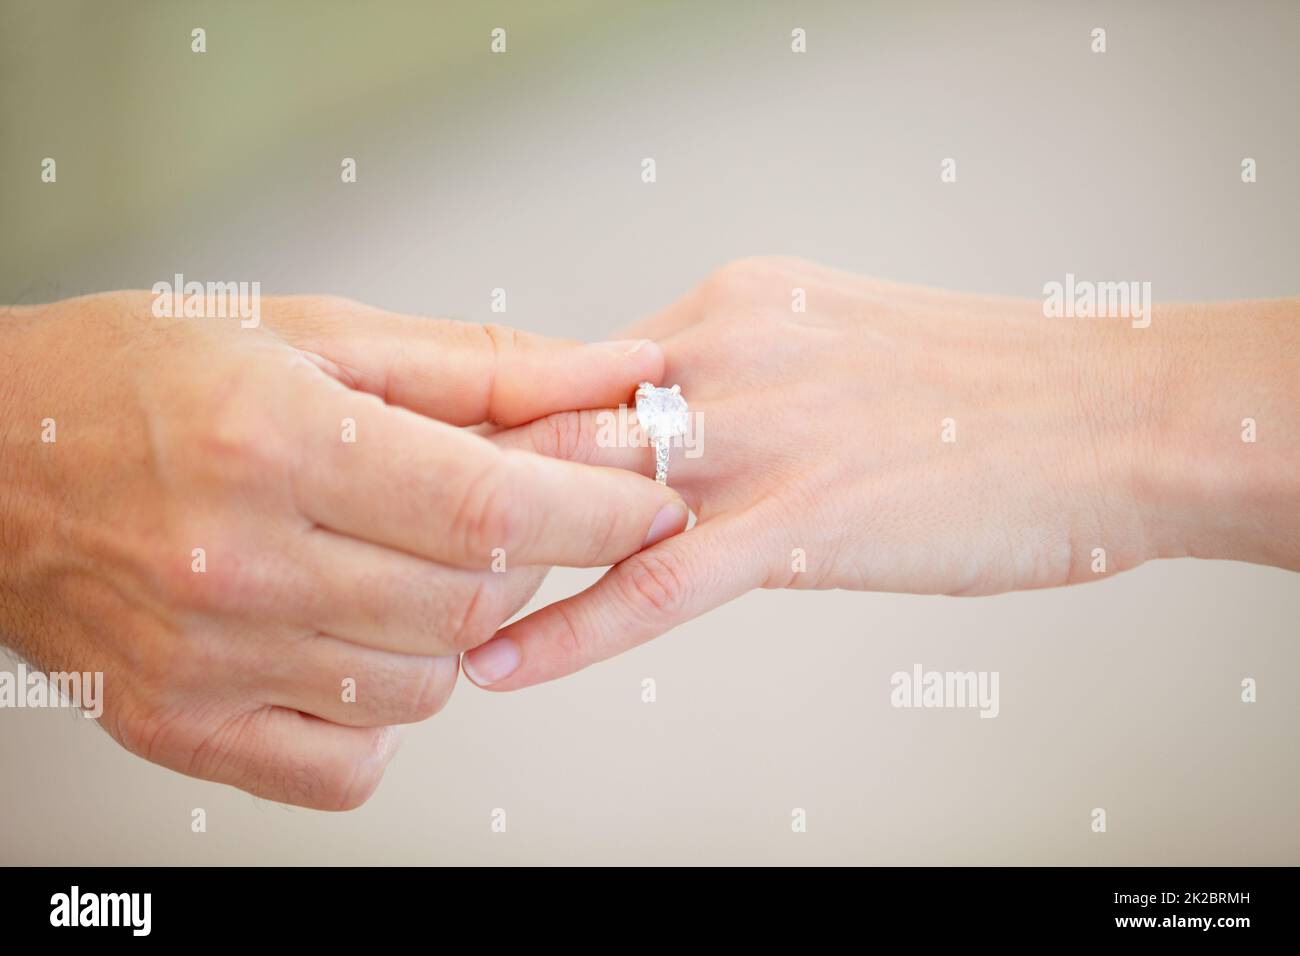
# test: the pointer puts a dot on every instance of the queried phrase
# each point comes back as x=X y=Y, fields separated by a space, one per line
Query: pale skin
x=180 y=509
x=907 y=439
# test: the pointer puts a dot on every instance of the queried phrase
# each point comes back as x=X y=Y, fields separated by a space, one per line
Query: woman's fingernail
x=670 y=519
x=624 y=346
x=496 y=660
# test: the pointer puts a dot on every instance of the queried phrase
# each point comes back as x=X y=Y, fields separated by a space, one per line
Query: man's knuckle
x=350 y=784
x=210 y=571
x=235 y=439
x=403 y=690
x=144 y=728
x=177 y=579
x=435 y=679
x=230 y=749
x=563 y=435
x=490 y=518
x=289 y=778
x=473 y=622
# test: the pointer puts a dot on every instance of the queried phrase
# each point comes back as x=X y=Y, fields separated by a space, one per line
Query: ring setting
x=663 y=415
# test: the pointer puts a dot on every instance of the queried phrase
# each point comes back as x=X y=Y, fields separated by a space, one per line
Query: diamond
x=661 y=412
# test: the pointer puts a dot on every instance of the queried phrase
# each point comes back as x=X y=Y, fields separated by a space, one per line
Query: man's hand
x=237 y=525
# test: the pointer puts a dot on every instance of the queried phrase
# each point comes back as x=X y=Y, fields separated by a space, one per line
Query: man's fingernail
x=670 y=519
x=496 y=660
x=624 y=346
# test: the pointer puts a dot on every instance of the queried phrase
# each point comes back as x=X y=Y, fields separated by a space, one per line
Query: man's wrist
x=23 y=431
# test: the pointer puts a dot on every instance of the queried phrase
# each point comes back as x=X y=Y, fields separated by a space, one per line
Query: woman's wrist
x=1221 y=478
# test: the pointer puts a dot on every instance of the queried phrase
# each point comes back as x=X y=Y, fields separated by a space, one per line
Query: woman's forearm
x=1223 y=476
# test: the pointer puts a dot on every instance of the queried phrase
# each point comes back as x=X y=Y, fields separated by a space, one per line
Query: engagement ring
x=663 y=414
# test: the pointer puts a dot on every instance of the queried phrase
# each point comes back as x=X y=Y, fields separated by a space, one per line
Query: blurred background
x=522 y=171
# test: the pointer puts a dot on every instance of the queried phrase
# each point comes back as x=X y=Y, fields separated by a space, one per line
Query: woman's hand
x=263 y=537
x=897 y=438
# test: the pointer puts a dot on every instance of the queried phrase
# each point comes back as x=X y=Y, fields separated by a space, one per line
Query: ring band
x=661 y=460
